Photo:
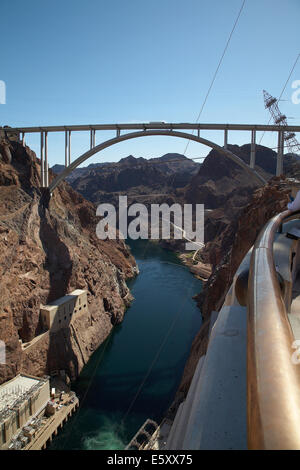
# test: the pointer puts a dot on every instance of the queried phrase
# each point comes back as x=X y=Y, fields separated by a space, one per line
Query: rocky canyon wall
x=48 y=248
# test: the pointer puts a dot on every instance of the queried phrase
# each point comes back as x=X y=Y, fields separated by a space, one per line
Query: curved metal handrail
x=273 y=399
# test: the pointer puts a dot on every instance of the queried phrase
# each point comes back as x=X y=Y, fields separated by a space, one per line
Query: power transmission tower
x=271 y=104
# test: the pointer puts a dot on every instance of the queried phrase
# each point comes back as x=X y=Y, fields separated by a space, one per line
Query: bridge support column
x=92 y=138
x=118 y=132
x=253 y=145
x=23 y=139
x=46 y=176
x=66 y=149
x=279 y=166
x=69 y=148
x=42 y=160
x=225 y=138
x=198 y=132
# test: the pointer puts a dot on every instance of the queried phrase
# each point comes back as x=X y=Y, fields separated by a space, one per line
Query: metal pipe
x=252 y=154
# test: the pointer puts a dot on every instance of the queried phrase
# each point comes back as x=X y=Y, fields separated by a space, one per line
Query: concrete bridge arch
x=133 y=135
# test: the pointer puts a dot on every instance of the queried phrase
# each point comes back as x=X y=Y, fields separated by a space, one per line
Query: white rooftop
x=14 y=389
x=65 y=298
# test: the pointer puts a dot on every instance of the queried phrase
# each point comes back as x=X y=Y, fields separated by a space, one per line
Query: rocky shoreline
x=199 y=269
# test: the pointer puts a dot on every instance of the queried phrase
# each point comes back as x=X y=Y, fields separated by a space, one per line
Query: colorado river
x=146 y=353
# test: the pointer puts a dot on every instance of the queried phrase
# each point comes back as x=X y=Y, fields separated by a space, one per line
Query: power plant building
x=21 y=399
x=59 y=313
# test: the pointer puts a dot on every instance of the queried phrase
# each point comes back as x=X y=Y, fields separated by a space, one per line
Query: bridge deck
x=149 y=125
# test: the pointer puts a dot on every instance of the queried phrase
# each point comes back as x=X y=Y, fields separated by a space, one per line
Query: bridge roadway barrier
x=216 y=413
x=213 y=415
x=180 y=421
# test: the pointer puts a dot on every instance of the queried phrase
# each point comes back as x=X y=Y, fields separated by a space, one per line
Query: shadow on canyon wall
x=59 y=264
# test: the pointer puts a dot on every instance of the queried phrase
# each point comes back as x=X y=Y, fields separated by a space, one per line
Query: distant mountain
x=136 y=176
x=219 y=183
x=78 y=171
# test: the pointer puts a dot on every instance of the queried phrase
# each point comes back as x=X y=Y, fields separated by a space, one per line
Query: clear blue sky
x=109 y=61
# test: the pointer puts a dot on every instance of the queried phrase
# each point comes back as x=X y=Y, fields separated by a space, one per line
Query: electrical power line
x=217 y=69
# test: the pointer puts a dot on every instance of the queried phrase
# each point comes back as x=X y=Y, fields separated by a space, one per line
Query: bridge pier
x=92 y=138
x=253 y=148
x=279 y=166
x=44 y=160
x=46 y=167
x=225 y=138
x=67 y=148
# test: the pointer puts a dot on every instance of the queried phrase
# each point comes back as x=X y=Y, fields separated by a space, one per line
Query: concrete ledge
x=218 y=418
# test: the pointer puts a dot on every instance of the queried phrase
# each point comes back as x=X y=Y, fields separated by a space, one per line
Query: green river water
x=146 y=353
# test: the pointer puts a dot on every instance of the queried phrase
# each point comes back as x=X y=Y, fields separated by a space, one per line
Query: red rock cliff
x=47 y=249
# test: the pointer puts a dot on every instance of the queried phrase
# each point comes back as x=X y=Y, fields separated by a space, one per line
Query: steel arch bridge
x=178 y=130
x=134 y=135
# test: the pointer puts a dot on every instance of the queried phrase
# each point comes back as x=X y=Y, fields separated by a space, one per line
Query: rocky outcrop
x=48 y=247
x=138 y=177
x=225 y=254
x=225 y=188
